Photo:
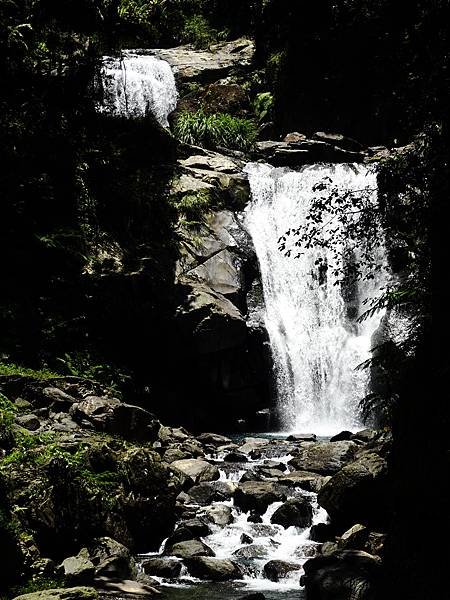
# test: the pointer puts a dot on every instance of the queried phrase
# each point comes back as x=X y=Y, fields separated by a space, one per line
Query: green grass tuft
x=13 y=369
x=218 y=129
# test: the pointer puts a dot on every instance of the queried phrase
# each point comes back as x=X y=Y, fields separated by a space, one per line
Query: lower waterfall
x=135 y=84
x=315 y=338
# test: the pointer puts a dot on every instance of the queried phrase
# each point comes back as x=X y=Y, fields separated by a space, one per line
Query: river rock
x=30 y=422
x=214 y=569
x=347 y=575
x=188 y=530
x=207 y=66
x=112 y=559
x=306 y=480
x=339 y=140
x=343 y=436
x=257 y=496
x=296 y=511
x=175 y=454
x=113 y=416
x=189 y=549
x=78 y=569
x=235 y=457
x=255 y=596
x=220 y=514
x=198 y=470
x=213 y=438
x=354 y=538
x=162 y=567
x=74 y=593
x=206 y=493
x=246 y=539
x=253 y=444
x=360 y=491
x=278 y=569
x=251 y=551
x=322 y=532
x=324 y=458
x=169 y=435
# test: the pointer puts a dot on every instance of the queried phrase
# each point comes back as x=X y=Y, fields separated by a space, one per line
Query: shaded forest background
x=377 y=71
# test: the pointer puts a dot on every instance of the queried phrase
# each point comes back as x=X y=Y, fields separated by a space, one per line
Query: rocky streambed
x=100 y=494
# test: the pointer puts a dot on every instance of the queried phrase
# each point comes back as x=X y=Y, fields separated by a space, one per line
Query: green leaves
x=213 y=130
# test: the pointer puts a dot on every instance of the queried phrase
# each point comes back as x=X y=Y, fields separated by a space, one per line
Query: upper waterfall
x=316 y=341
x=135 y=84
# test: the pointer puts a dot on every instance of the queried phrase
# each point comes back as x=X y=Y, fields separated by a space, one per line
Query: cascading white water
x=135 y=84
x=315 y=345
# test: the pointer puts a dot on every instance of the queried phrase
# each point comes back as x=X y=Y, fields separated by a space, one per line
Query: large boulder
x=258 y=495
x=360 y=492
x=198 y=470
x=347 y=575
x=78 y=569
x=162 y=567
x=206 y=66
x=113 y=416
x=295 y=512
x=278 y=569
x=112 y=559
x=311 y=482
x=188 y=549
x=219 y=514
x=324 y=458
x=214 y=569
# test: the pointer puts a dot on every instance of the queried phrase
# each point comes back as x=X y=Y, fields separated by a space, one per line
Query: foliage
x=13 y=369
x=262 y=105
x=82 y=364
x=199 y=33
x=37 y=584
x=192 y=207
x=215 y=130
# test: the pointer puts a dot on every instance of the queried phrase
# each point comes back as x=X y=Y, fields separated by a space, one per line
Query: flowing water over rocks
x=315 y=339
x=135 y=84
x=230 y=529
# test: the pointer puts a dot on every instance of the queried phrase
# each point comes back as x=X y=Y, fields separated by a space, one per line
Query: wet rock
x=78 y=569
x=214 y=569
x=175 y=454
x=278 y=569
x=219 y=514
x=112 y=559
x=365 y=435
x=354 y=538
x=343 y=436
x=302 y=437
x=235 y=457
x=170 y=435
x=325 y=458
x=255 y=596
x=213 y=438
x=252 y=444
x=198 y=470
x=306 y=480
x=188 y=530
x=189 y=549
x=30 y=422
x=205 y=493
x=339 y=140
x=294 y=137
x=252 y=551
x=246 y=539
x=359 y=491
x=254 y=517
x=347 y=575
x=162 y=567
x=328 y=548
x=257 y=496
x=57 y=399
x=75 y=593
x=295 y=512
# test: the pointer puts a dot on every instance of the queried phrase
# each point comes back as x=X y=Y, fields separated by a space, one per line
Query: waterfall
x=136 y=84
x=315 y=339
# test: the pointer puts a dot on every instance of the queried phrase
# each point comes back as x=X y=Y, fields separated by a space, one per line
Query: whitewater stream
x=315 y=339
